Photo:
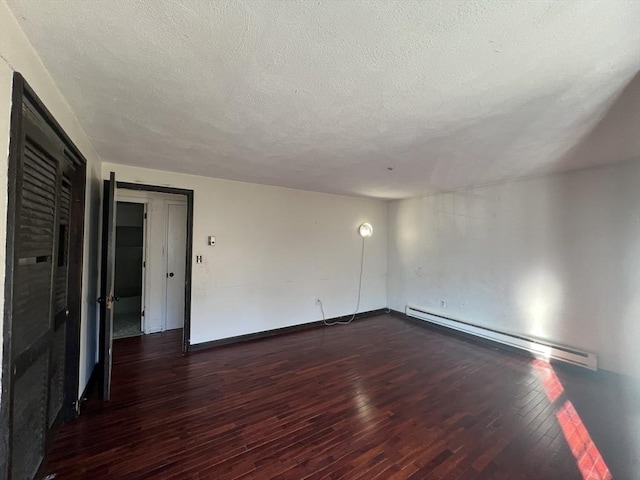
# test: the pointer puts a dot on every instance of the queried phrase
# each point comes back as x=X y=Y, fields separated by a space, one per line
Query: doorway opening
x=150 y=269
x=146 y=267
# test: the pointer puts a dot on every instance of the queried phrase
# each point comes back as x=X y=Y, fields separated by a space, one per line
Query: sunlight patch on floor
x=588 y=459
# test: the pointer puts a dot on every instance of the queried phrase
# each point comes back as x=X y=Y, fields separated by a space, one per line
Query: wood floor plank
x=378 y=399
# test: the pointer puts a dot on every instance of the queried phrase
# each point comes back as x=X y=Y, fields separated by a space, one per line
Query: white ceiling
x=326 y=95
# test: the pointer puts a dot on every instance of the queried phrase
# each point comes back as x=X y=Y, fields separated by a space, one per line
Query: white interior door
x=176 y=256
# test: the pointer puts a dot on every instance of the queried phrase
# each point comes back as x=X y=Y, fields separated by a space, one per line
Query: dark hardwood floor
x=381 y=398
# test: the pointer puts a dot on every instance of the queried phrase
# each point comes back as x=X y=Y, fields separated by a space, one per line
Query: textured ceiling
x=328 y=95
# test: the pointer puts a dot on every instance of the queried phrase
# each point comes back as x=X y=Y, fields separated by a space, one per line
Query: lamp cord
x=347 y=322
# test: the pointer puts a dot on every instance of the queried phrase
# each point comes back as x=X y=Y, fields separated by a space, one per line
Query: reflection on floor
x=126 y=325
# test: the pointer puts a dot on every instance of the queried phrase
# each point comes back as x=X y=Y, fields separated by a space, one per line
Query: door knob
x=171 y=274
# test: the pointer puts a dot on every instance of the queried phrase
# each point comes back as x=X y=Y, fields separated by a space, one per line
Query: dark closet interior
x=127 y=314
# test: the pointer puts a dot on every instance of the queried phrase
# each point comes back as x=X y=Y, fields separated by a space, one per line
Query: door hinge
x=143 y=313
x=145 y=216
x=144 y=264
x=76 y=406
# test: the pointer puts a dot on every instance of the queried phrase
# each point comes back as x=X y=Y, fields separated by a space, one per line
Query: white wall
x=17 y=54
x=5 y=114
x=556 y=257
x=277 y=250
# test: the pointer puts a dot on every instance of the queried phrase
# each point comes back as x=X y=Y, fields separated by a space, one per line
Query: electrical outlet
x=443 y=303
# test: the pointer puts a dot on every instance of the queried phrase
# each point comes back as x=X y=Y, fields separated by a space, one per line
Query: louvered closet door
x=59 y=303
x=36 y=344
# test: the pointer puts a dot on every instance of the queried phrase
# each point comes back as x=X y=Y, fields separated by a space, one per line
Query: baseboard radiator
x=537 y=347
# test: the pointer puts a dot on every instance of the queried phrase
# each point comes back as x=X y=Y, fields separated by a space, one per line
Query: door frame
x=21 y=93
x=186 y=330
x=107 y=283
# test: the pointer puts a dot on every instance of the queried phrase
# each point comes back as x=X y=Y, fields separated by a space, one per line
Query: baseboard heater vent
x=534 y=346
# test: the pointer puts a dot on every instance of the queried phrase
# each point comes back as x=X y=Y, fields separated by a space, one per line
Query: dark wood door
x=60 y=297
x=107 y=284
x=39 y=303
x=43 y=289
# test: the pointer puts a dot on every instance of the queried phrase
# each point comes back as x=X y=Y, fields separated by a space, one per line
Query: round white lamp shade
x=365 y=230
